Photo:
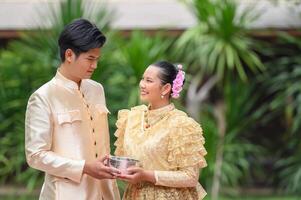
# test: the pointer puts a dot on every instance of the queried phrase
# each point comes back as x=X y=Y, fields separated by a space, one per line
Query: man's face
x=83 y=66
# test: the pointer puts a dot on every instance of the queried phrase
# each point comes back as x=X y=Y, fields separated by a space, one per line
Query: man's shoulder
x=93 y=84
x=42 y=92
x=43 y=89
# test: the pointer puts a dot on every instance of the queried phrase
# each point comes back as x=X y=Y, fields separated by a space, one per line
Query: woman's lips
x=143 y=92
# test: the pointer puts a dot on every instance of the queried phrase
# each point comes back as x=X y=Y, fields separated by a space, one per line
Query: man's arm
x=38 y=141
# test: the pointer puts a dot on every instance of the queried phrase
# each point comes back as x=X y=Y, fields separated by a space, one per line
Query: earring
x=162 y=96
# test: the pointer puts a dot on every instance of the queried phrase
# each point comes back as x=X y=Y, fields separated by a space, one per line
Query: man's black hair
x=80 y=36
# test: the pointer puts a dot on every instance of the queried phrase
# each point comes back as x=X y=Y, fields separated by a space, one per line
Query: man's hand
x=99 y=170
x=136 y=175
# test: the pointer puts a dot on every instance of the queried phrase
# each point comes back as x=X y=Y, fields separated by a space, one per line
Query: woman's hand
x=136 y=175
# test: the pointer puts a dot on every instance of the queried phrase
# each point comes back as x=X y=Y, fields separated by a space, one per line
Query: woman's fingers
x=133 y=170
x=125 y=176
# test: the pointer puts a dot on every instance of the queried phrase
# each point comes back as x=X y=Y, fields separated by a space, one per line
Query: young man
x=66 y=127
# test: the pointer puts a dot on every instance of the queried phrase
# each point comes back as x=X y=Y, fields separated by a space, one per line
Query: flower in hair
x=177 y=85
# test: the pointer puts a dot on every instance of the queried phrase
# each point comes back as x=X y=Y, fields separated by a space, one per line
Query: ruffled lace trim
x=186 y=144
x=120 y=124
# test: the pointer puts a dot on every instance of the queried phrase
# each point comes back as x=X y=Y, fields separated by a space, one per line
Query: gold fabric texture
x=172 y=146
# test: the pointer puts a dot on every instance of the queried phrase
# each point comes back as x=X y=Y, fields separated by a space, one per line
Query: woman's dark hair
x=80 y=36
x=168 y=72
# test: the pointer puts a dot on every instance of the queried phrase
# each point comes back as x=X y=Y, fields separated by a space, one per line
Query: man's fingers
x=114 y=170
x=106 y=175
x=111 y=170
x=104 y=158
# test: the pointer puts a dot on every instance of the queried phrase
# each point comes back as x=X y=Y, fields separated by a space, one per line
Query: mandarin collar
x=62 y=80
x=162 y=110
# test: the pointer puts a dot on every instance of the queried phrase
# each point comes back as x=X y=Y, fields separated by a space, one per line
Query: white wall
x=148 y=14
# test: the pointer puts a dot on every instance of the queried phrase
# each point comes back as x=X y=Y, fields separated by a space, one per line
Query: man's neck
x=64 y=71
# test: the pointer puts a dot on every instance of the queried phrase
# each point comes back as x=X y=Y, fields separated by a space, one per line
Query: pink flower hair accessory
x=177 y=84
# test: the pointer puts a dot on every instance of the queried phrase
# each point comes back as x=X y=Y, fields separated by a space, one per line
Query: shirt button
x=96 y=155
x=83 y=95
x=95 y=143
x=87 y=106
x=93 y=130
x=91 y=117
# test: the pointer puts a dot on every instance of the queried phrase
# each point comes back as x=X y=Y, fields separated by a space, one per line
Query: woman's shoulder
x=124 y=113
x=181 y=119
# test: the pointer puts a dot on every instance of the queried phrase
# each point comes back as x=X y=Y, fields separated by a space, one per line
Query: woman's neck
x=158 y=105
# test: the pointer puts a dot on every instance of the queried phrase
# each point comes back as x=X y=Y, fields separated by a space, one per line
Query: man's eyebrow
x=97 y=57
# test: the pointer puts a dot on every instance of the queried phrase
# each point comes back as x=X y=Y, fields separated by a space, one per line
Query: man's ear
x=69 y=54
x=166 y=89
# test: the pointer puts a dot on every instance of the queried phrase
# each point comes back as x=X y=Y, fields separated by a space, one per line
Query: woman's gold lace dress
x=172 y=146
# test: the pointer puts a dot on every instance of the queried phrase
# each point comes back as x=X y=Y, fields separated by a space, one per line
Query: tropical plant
x=20 y=75
x=217 y=46
x=282 y=87
x=220 y=42
x=239 y=119
x=219 y=53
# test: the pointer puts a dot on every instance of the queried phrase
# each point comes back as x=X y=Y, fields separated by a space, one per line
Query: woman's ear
x=166 y=89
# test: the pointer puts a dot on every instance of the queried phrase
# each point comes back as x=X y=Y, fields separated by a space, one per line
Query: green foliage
x=240 y=115
x=209 y=127
x=290 y=172
x=219 y=43
x=282 y=85
x=285 y=68
x=20 y=75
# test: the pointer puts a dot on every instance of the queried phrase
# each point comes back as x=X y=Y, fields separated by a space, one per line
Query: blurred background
x=243 y=84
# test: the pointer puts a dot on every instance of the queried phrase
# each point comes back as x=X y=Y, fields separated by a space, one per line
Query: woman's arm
x=182 y=178
x=187 y=177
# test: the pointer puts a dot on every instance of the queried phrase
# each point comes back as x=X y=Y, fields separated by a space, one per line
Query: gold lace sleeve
x=186 y=144
x=121 y=125
x=187 y=177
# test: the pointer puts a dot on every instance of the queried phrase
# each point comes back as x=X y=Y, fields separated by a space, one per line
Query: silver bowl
x=122 y=163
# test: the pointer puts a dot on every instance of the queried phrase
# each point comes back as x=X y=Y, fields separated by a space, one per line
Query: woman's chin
x=143 y=98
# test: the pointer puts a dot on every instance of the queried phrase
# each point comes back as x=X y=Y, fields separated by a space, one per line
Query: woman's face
x=150 y=85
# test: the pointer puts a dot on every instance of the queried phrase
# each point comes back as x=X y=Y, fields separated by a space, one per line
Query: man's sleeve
x=38 y=142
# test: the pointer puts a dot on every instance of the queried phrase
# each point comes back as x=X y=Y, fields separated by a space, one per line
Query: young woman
x=168 y=143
